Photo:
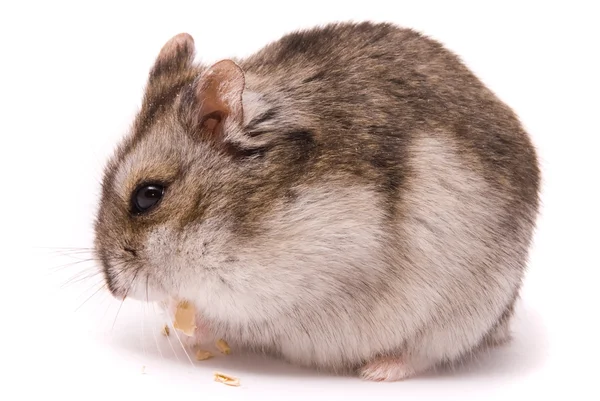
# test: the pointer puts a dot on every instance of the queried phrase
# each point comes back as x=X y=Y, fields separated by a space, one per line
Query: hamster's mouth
x=133 y=284
x=142 y=290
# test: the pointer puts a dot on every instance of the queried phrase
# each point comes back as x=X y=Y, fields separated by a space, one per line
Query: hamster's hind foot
x=386 y=369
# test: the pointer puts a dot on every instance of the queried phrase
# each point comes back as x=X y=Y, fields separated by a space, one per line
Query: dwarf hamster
x=350 y=198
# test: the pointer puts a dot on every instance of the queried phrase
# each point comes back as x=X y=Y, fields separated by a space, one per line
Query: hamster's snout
x=128 y=275
x=111 y=283
x=118 y=269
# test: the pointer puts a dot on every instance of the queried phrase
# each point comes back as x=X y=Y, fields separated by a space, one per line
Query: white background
x=71 y=80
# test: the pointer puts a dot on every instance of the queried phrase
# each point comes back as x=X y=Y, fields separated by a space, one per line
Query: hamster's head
x=175 y=192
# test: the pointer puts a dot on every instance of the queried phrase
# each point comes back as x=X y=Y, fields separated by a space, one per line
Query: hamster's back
x=369 y=91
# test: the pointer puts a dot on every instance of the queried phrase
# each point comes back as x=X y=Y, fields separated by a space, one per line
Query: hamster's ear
x=176 y=55
x=217 y=99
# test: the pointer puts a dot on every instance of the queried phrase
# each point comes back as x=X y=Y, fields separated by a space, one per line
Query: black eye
x=146 y=197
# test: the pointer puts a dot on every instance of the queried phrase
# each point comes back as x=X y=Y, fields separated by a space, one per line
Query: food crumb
x=202 y=355
x=166 y=331
x=185 y=318
x=226 y=379
x=223 y=347
x=144 y=370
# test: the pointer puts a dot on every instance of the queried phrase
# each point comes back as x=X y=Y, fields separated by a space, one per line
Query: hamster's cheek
x=177 y=257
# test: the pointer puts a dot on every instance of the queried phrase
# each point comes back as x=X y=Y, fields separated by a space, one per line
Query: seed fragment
x=226 y=379
x=202 y=355
x=223 y=347
x=185 y=318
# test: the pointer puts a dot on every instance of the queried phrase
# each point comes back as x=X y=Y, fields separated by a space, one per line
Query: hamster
x=351 y=199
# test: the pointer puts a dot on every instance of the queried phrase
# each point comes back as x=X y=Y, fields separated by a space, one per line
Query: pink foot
x=386 y=369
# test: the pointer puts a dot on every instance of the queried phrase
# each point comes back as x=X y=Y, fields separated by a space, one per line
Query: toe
x=386 y=369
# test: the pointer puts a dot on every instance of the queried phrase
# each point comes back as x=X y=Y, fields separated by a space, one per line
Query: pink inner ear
x=219 y=92
x=212 y=120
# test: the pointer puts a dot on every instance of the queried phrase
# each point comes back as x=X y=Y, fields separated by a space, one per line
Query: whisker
x=62 y=247
x=79 y=277
x=125 y=297
x=65 y=251
x=91 y=287
x=155 y=337
x=169 y=338
x=172 y=347
x=180 y=342
x=79 y=260
x=110 y=303
x=70 y=264
x=69 y=252
x=117 y=315
x=143 y=331
x=73 y=275
x=101 y=300
x=103 y=286
x=90 y=297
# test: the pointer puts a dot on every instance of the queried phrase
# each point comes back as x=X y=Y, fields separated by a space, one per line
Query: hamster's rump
x=351 y=197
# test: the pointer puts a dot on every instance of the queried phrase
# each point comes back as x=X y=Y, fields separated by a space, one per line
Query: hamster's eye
x=145 y=197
